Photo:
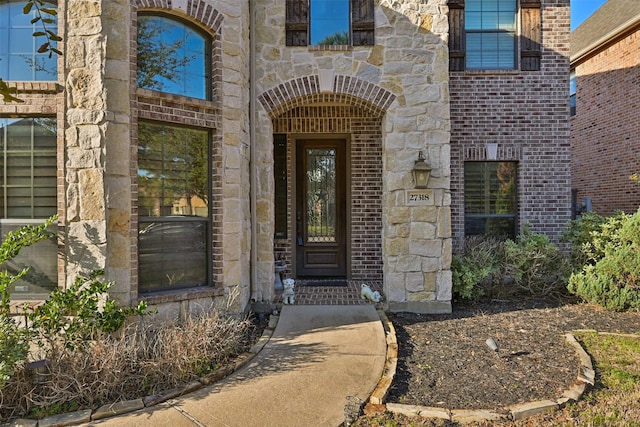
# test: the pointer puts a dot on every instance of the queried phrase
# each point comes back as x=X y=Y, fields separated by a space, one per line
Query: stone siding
x=400 y=86
x=97 y=106
x=389 y=101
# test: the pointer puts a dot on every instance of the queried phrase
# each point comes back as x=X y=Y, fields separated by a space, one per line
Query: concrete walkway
x=316 y=357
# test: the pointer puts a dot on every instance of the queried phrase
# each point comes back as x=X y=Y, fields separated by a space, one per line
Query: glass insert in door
x=321 y=217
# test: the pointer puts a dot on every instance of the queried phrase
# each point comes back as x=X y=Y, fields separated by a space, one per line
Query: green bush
x=71 y=318
x=531 y=266
x=611 y=278
x=14 y=340
x=476 y=267
x=579 y=235
x=536 y=265
x=589 y=235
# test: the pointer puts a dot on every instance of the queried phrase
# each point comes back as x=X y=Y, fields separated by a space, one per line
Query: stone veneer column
x=97 y=140
x=416 y=234
x=236 y=217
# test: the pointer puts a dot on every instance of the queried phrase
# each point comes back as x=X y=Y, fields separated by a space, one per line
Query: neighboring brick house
x=605 y=96
x=195 y=142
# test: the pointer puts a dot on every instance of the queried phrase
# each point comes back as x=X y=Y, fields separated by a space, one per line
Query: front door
x=321 y=208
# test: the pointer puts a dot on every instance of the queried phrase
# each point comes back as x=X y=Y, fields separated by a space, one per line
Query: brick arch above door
x=339 y=90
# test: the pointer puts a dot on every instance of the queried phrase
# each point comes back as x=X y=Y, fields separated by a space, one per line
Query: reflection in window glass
x=280 y=185
x=19 y=57
x=490 y=34
x=572 y=92
x=172 y=57
x=173 y=204
x=329 y=22
x=28 y=196
x=490 y=198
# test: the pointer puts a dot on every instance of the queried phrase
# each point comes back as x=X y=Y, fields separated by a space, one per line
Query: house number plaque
x=419 y=197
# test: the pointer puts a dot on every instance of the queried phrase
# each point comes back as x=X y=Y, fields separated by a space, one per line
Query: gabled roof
x=611 y=19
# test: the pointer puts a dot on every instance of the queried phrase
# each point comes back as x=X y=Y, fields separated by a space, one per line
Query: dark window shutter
x=297 y=23
x=531 y=35
x=362 y=23
x=456 y=35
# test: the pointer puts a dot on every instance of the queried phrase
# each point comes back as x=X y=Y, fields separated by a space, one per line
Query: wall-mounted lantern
x=421 y=172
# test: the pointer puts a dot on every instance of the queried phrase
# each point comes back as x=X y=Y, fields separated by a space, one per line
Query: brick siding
x=605 y=131
x=526 y=114
x=365 y=188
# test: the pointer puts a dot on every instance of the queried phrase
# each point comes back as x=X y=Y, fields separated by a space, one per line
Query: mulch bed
x=444 y=361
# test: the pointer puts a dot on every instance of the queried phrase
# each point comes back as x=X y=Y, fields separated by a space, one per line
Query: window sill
x=488 y=72
x=35 y=86
x=330 y=48
x=177 y=295
x=178 y=99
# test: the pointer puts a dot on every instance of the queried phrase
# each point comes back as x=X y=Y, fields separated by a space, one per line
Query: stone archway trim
x=200 y=10
x=345 y=89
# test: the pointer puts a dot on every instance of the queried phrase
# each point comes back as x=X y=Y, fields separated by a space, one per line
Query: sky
x=582 y=9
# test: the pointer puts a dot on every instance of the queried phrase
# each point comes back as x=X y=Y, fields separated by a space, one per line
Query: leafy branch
x=8 y=92
x=47 y=19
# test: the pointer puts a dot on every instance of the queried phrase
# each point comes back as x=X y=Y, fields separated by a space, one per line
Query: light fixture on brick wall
x=421 y=172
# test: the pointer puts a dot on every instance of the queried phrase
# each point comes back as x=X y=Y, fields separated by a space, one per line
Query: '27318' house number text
x=420 y=197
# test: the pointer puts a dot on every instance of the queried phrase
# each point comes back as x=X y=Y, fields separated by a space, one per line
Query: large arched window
x=173 y=57
x=19 y=57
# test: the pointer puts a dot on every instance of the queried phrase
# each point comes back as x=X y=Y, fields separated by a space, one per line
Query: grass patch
x=615 y=398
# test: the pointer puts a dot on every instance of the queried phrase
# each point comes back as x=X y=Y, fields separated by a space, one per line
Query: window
x=173 y=206
x=490 y=199
x=490 y=32
x=173 y=57
x=19 y=57
x=28 y=196
x=330 y=22
x=572 y=92
x=484 y=35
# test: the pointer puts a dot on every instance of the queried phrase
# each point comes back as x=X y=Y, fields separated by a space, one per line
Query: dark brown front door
x=321 y=208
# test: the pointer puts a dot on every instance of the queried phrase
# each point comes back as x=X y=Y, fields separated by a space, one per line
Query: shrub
x=144 y=359
x=536 y=265
x=71 y=318
x=612 y=278
x=477 y=266
x=14 y=340
x=531 y=265
x=579 y=235
x=589 y=235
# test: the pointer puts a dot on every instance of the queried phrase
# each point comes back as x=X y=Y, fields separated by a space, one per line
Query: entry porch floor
x=332 y=295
